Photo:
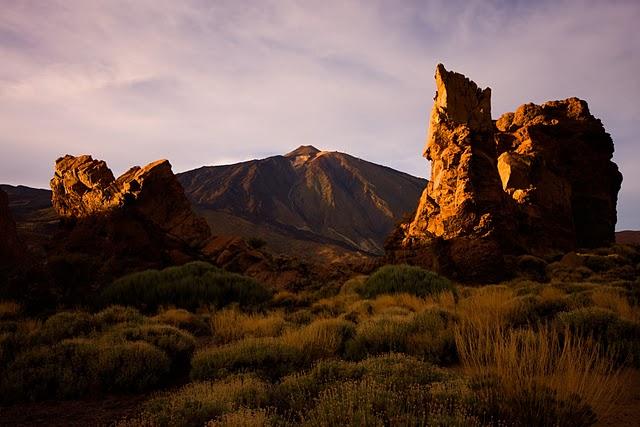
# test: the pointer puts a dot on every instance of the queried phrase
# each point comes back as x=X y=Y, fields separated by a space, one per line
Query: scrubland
x=557 y=345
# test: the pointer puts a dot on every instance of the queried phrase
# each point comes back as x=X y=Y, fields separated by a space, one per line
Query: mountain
x=306 y=202
x=628 y=237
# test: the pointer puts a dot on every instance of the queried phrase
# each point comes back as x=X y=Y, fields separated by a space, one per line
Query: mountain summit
x=305 y=202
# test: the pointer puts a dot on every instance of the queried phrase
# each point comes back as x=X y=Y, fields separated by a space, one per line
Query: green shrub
x=404 y=279
x=177 y=344
x=428 y=334
x=116 y=314
x=188 y=286
x=183 y=319
x=616 y=335
x=76 y=367
x=197 y=403
x=66 y=324
x=131 y=366
x=266 y=356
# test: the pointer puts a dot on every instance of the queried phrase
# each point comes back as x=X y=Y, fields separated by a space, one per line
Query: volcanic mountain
x=306 y=202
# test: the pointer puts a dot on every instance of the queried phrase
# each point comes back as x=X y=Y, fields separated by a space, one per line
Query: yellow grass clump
x=534 y=365
x=232 y=325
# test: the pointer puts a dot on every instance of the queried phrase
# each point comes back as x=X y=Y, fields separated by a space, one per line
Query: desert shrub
x=404 y=279
x=522 y=375
x=532 y=267
x=9 y=310
x=266 y=356
x=183 y=319
x=66 y=324
x=600 y=263
x=243 y=418
x=231 y=325
x=428 y=334
x=131 y=366
x=296 y=392
x=116 y=314
x=76 y=367
x=177 y=344
x=188 y=286
x=197 y=403
x=321 y=338
x=620 y=337
x=367 y=402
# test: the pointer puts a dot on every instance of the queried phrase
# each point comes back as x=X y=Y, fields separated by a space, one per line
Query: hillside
x=306 y=200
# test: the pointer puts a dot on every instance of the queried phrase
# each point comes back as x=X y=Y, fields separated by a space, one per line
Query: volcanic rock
x=83 y=187
x=538 y=181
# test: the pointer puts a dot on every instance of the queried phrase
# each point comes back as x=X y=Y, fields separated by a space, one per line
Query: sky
x=206 y=82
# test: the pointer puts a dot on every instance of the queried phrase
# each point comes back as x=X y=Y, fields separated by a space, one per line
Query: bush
x=177 y=344
x=231 y=325
x=188 y=286
x=116 y=314
x=404 y=279
x=183 y=319
x=428 y=334
x=131 y=366
x=67 y=324
x=197 y=403
x=74 y=368
x=618 y=336
x=266 y=356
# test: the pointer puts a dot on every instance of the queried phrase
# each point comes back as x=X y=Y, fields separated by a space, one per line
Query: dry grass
x=490 y=306
x=612 y=299
x=232 y=325
x=9 y=310
x=242 y=418
x=322 y=338
x=528 y=363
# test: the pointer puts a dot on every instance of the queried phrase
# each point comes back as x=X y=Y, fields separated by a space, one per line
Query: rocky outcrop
x=83 y=187
x=10 y=247
x=555 y=163
x=536 y=181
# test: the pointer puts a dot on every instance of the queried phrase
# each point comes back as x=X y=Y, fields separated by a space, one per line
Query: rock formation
x=536 y=181
x=10 y=246
x=83 y=187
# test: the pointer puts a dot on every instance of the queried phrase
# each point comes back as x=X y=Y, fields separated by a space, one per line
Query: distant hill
x=628 y=237
x=305 y=201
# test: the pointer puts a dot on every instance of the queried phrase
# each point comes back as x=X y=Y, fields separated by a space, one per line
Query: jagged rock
x=555 y=162
x=10 y=246
x=537 y=181
x=83 y=187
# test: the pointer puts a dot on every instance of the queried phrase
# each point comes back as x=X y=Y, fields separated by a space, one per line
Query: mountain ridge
x=309 y=194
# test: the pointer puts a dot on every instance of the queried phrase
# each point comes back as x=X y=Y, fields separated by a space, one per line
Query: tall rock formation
x=537 y=181
x=83 y=187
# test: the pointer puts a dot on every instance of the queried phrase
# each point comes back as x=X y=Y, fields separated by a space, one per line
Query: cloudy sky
x=205 y=82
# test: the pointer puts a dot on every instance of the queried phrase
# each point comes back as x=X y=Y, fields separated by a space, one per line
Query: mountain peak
x=303 y=150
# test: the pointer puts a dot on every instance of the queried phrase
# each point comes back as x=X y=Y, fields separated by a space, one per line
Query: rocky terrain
x=514 y=186
x=305 y=202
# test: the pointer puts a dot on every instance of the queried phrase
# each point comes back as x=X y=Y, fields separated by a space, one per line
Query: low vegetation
x=402 y=346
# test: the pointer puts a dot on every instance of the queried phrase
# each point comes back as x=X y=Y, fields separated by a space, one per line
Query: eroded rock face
x=83 y=187
x=10 y=247
x=555 y=163
x=536 y=181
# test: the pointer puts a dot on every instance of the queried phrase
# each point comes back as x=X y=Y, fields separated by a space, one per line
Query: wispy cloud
x=210 y=82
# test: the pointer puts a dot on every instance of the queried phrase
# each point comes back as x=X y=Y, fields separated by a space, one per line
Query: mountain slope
x=312 y=196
